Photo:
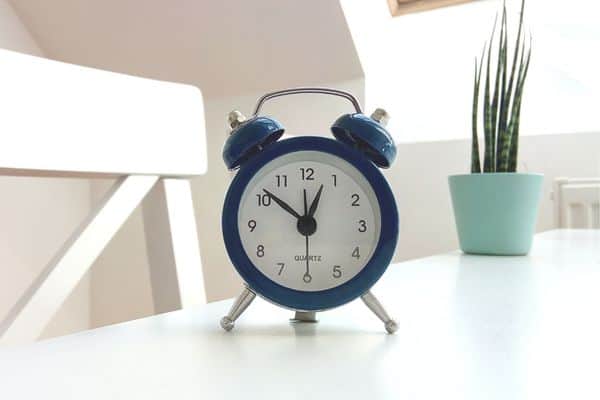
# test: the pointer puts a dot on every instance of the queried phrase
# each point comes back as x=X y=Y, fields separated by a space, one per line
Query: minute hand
x=315 y=203
x=282 y=204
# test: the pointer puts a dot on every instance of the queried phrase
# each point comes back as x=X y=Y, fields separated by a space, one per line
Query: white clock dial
x=340 y=237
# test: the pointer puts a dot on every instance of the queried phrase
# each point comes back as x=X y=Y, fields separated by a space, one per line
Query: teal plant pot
x=496 y=213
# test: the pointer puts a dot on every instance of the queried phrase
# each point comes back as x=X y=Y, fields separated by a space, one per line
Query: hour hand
x=282 y=204
x=315 y=203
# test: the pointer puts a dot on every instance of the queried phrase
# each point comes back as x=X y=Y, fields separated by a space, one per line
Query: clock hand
x=306 y=224
x=282 y=204
x=307 y=278
x=315 y=203
x=305 y=207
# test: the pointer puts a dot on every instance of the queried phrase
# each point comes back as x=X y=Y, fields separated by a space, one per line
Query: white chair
x=65 y=120
x=577 y=203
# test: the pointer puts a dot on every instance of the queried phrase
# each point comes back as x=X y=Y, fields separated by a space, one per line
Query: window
x=420 y=67
x=399 y=7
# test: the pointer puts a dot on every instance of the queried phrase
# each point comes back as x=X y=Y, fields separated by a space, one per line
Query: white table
x=471 y=327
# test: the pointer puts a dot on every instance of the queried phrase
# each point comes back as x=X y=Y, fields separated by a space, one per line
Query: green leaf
x=516 y=117
x=502 y=133
x=506 y=103
x=494 y=107
x=488 y=160
x=510 y=140
x=475 y=161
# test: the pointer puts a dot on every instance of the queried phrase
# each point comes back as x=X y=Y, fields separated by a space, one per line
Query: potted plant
x=495 y=207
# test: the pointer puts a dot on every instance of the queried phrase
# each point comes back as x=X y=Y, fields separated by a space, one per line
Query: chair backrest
x=61 y=119
x=577 y=203
x=67 y=119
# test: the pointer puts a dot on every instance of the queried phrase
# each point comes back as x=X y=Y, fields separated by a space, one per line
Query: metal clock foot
x=375 y=306
x=305 y=316
x=241 y=303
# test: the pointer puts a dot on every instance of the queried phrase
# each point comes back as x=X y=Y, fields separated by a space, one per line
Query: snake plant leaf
x=475 y=160
x=496 y=95
x=488 y=160
x=505 y=118
x=502 y=133
x=501 y=98
x=514 y=147
x=517 y=46
x=510 y=140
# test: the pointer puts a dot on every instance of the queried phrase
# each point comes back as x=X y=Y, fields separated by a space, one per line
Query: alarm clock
x=309 y=223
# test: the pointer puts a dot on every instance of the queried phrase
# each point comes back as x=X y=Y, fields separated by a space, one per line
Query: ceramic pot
x=496 y=213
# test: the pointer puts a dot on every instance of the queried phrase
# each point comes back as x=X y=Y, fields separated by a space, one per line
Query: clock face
x=309 y=221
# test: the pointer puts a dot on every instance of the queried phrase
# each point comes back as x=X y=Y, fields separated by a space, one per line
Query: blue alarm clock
x=309 y=223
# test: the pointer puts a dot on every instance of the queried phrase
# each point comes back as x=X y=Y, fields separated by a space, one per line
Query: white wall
x=37 y=215
x=421 y=66
x=121 y=289
x=228 y=48
x=300 y=115
x=419 y=179
x=121 y=286
x=120 y=277
x=235 y=51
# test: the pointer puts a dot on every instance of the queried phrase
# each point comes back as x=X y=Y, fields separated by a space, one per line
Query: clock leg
x=305 y=316
x=241 y=303
x=375 y=306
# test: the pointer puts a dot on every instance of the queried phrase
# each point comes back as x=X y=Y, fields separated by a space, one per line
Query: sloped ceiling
x=224 y=47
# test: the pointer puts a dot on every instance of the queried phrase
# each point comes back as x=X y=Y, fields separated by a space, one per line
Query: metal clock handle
x=304 y=90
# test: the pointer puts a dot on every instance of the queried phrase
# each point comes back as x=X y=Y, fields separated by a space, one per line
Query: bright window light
x=420 y=66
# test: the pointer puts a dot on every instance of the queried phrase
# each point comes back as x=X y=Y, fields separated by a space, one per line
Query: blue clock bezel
x=324 y=299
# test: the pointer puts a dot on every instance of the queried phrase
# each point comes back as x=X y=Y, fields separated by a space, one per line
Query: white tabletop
x=471 y=327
